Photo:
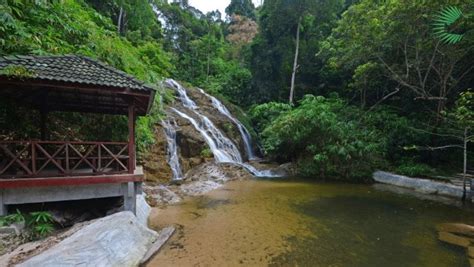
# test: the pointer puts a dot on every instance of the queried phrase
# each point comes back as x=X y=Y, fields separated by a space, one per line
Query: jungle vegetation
x=340 y=87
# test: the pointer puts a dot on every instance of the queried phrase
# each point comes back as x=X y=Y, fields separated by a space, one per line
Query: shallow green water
x=291 y=222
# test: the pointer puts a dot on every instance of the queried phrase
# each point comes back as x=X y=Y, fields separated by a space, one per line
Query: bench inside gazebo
x=37 y=171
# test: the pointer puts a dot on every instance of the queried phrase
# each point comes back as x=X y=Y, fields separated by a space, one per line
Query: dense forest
x=340 y=87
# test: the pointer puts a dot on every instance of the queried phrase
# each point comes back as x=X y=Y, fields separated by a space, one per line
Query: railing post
x=99 y=158
x=131 y=138
x=67 y=157
x=33 y=157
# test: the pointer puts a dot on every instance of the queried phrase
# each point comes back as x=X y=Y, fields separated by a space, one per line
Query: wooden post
x=44 y=116
x=131 y=138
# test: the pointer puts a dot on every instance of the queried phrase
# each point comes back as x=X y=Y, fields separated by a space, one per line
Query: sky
x=210 y=5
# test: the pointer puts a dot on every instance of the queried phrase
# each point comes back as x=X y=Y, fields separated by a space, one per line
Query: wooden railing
x=20 y=159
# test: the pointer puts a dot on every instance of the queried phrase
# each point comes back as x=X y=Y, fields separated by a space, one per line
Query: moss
x=206 y=153
x=17 y=72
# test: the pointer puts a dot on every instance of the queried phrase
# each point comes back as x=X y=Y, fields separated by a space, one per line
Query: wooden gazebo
x=44 y=170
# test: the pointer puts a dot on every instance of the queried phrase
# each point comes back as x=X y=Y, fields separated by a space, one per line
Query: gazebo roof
x=72 y=83
x=73 y=69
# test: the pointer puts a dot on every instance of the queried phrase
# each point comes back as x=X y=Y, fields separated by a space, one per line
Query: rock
x=69 y=217
x=420 y=185
x=160 y=195
x=163 y=236
x=116 y=240
x=8 y=230
x=143 y=210
x=199 y=187
x=454 y=239
x=13 y=229
x=456 y=228
x=470 y=251
x=286 y=169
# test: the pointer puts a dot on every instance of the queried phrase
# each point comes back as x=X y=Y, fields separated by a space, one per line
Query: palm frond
x=445 y=18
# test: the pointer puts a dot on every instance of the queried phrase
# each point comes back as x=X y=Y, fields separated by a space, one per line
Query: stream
x=293 y=222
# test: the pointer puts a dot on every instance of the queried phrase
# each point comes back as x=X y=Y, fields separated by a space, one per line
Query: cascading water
x=223 y=148
x=243 y=131
x=170 y=126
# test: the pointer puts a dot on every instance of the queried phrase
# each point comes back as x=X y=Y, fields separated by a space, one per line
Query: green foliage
x=321 y=135
x=74 y=27
x=39 y=223
x=206 y=153
x=445 y=18
x=409 y=168
x=464 y=109
x=17 y=71
x=262 y=115
x=241 y=7
x=16 y=217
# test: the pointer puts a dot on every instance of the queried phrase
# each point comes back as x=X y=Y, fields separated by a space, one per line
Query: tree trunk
x=119 y=21
x=464 y=173
x=295 y=64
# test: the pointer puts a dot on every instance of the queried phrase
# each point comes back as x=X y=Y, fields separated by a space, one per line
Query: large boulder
x=115 y=240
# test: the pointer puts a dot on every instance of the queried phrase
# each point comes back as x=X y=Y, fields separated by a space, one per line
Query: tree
x=273 y=52
x=244 y=8
x=460 y=122
x=398 y=39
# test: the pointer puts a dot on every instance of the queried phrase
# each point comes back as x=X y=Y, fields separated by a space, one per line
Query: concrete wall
x=11 y=196
x=420 y=185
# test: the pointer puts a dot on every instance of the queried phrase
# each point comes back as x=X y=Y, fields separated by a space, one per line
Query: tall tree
x=241 y=7
x=283 y=54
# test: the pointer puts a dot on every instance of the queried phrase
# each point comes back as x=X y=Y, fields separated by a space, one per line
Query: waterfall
x=170 y=126
x=243 y=131
x=223 y=148
x=183 y=96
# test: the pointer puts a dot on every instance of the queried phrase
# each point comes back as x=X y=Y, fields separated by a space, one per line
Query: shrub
x=326 y=139
x=39 y=223
x=206 y=153
x=413 y=169
x=262 y=115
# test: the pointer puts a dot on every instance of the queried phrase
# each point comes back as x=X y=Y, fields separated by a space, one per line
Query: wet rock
x=155 y=166
x=455 y=239
x=160 y=195
x=456 y=228
x=116 y=240
x=199 y=187
x=163 y=236
x=286 y=169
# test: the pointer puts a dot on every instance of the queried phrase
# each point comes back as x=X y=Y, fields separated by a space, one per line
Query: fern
x=445 y=18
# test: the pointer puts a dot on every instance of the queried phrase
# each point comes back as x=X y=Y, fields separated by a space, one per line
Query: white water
x=170 y=126
x=243 y=131
x=223 y=148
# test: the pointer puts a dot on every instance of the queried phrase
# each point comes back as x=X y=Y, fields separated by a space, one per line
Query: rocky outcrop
x=115 y=240
x=192 y=147
x=198 y=181
x=420 y=185
x=155 y=166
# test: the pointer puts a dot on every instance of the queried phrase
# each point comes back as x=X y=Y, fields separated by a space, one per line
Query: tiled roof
x=73 y=69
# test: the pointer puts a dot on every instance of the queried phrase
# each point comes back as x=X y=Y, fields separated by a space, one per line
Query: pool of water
x=301 y=223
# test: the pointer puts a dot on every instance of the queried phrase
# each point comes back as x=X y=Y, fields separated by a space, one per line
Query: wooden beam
x=71 y=85
x=131 y=138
